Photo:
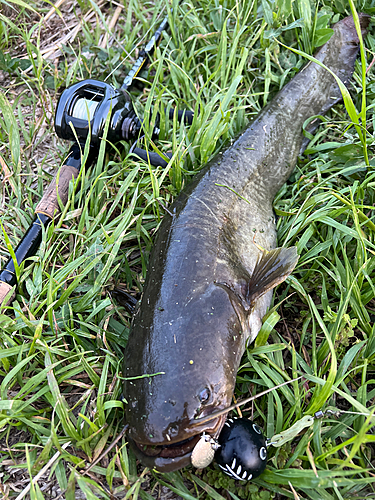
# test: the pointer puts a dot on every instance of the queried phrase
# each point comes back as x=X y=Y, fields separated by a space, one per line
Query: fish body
x=209 y=283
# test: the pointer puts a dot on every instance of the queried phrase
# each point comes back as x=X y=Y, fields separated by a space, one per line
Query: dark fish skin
x=201 y=304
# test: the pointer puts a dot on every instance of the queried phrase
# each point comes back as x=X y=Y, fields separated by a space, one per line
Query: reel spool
x=86 y=105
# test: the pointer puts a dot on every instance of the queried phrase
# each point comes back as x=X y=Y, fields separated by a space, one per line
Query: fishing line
x=82 y=113
x=85 y=106
x=84 y=109
x=240 y=450
x=128 y=54
x=203 y=420
x=338 y=412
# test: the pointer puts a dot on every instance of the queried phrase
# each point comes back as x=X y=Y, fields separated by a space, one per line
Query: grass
x=61 y=342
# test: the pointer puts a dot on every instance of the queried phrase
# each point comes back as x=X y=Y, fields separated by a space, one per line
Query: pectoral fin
x=272 y=268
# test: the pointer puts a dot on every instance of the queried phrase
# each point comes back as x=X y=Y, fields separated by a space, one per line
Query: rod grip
x=6 y=295
x=49 y=204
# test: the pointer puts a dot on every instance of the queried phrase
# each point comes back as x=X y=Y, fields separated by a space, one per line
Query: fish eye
x=204 y=395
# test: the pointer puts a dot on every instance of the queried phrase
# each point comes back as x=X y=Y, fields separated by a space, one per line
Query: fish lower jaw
x=172 y=456
x=165 y=458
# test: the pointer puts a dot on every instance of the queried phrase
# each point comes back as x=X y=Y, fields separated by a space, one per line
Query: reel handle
x=183 y=114
x=153 y=158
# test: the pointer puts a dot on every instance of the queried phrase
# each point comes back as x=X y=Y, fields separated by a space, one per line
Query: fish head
x=183 y=353
x=186 y=356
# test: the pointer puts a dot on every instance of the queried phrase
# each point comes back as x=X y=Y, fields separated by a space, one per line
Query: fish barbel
x=208 y=284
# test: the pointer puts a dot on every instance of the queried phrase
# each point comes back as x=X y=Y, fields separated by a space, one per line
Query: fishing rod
x=82 y=111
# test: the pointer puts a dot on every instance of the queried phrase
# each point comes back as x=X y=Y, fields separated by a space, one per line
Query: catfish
x=213 y=267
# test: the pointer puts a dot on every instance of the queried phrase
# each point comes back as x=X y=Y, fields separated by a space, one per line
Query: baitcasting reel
x=85 y=106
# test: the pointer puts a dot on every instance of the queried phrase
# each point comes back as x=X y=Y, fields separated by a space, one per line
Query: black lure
x=243 y=451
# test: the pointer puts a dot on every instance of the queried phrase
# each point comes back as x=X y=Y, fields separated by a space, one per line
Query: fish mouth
x=166 y=457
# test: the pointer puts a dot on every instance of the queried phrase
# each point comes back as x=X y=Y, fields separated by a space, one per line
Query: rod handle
x=49 y=204
x=6 y=294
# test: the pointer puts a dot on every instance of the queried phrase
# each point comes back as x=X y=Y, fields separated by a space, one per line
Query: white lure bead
x=204 y=451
